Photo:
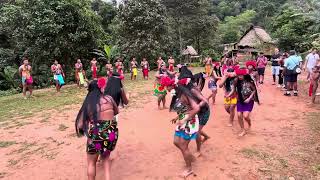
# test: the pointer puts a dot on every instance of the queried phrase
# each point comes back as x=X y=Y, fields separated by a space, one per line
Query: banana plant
x=9 y=75
x=108 y=54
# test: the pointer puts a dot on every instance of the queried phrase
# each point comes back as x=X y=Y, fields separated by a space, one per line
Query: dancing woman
x=230 y=93
x=159 y=90
x=186 y=78
x=187 y=123
x=96 y=120
x=213 y=87
x=247 y=95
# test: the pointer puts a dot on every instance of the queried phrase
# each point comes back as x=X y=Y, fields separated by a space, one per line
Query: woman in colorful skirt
x=159 y=90
x=213 y=87
x=185 y=79
x=58 y=75
x=247 y=95
x=96 y=120
x=185 y=104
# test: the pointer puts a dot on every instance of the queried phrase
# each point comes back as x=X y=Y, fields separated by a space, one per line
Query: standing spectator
x=311 y=61
x=26 y=78
x=291 y=72
x=281 y=76
x=262 y=62
x=275 y=58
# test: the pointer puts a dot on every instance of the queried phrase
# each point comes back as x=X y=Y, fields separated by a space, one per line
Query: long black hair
x=229 y=81
x=249 y=79
x=89 y=109
x=182 y=90
x=114 y=88
x=199 y=80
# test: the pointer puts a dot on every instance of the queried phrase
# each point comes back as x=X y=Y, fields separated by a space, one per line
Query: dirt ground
x=281 y=145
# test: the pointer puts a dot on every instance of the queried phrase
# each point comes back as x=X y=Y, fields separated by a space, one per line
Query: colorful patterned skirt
x=189 y=130
x=102 y=137
x=159 y=90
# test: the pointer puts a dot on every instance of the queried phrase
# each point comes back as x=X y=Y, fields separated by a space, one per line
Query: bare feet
x=243 y=133
x=186 y=173
x=197 y=154
x=230 y=125
x=205 y=139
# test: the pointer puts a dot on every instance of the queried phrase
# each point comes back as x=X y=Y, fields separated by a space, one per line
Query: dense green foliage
x=44 y=30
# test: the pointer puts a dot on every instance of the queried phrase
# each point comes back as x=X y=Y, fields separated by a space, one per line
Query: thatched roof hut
x=190 y=51
x=254 y=40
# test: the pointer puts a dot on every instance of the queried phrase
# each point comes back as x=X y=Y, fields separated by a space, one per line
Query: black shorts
x=291 y=78
x=261 y=71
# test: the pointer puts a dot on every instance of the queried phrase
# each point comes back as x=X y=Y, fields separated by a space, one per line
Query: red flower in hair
x=166 y=81
x=102 y=82
x=242 y=72
x=251 y=63
x=184 y=81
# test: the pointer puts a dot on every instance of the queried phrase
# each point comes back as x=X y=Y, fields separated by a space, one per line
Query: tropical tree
x=292 y=31
x=46 y=29
x=141 y=29
x=231 y=29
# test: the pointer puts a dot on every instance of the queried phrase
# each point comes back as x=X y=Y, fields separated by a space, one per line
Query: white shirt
x=312 y=60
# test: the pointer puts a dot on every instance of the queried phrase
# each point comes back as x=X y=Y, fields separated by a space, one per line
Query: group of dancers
x=193 y=108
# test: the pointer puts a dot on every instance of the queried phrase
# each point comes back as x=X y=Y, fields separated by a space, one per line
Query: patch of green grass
x=62 y=127
x=4 y=144
x=16 y=106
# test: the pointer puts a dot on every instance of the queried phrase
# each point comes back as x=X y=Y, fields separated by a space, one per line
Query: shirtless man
x=145 y=68
x=109 y=69
x=94 y=68
x=134 y=68
x=160 y=62
x=58 y=75
x=171 y=63
x=80 y=73
x=25 y=74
